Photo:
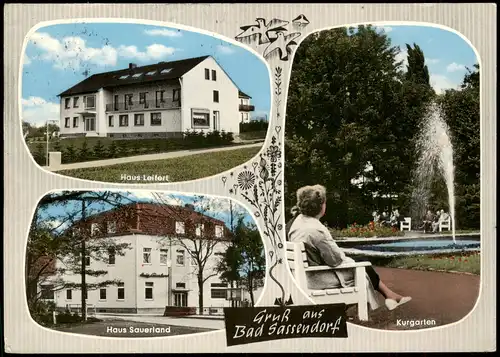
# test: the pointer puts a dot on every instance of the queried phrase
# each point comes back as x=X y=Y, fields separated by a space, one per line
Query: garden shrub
x=98 y=150
x=41 y=312
x=84 y=153
x=57 y=146
x=254 y=125
x=39 y=154
x=112 y=150
x=69 y=155
x=123 y=148
x=67 y=317
x=369 y=230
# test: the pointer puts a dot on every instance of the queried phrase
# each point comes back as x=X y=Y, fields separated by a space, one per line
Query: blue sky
x=447 y=54
x=218 y=208
x=59 y=56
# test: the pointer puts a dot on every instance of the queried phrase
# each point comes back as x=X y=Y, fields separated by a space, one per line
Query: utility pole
x=83 y=266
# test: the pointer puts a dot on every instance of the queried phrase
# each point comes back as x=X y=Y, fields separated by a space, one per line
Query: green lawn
x=466 y=262
x=178 y=169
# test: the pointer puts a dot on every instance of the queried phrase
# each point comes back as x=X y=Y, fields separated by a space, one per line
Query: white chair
x=406 y=224
x=446 y=224
x=356 y=295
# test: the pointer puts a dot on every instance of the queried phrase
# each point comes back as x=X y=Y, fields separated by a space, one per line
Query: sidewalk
x=149 y=157
x=210 y=323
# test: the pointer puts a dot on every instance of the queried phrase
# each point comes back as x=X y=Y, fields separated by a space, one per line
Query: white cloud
x=37 y=111
x=225 y=50
x=386 y=29
x=431 y=60
x=26 y=60
x=72 y=52
x=163 y=32
x=153 y=52
x=455 y=67
x=441 y=83
x=402 y=56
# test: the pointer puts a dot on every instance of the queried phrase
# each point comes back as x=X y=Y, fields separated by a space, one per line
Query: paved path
x=442 y=297
x=215 y=324
x=150 y=157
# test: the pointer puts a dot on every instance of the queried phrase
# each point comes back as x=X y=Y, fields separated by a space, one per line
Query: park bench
x=356 y=295
x=406 y=224
x=446 y=224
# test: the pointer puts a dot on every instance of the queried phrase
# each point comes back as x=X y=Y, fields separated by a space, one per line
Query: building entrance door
x=89 y=123
x=180 y=299
x=216 y=120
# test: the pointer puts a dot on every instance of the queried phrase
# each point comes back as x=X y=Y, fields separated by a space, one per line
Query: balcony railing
x=247 y=108
x=148 y=105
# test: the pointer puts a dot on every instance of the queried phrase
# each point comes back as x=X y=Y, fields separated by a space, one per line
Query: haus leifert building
x=156 y=270
x=164 y=99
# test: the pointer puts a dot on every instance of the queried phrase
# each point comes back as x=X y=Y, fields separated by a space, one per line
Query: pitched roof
x=112 y=79
x=243 y=95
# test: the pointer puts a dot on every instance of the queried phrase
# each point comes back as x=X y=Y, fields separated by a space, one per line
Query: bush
x=69 y=155
x=57 y=146
x=41 y=312
x=112 y=150
x=67 y=317
x=84 y=153
x=254 y=125
x=99 y=151
x=39 y=154
x=123 y=148
x=370 y=230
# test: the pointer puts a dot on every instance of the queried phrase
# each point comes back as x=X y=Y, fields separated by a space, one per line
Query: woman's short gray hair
x=310 y=199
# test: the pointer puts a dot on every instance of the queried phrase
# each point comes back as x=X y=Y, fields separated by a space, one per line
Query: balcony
x=148 y=105
x=247 y=108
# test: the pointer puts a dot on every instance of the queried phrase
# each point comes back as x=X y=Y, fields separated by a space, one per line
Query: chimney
x=132 y=65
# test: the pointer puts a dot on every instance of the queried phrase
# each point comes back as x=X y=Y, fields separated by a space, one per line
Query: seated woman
x=322 y=250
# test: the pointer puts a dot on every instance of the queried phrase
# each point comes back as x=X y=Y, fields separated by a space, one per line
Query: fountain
x=435 y=154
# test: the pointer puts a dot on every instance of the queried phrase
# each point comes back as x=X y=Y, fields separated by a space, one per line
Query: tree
x=349 y=108
x=198 y=240
x=417 y=70
x=84 y=152
x=98 y=150
x=50 y=239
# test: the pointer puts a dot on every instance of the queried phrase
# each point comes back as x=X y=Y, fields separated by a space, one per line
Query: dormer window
x=219 y=231
x=111 y=227
x=94 y=229
x=137 y=75
x=124 y=76
x=180 y=228
x=166 y=70
x=152 y=73
x=199 y=229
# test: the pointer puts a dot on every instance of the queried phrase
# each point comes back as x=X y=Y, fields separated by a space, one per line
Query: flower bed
x=368 y=231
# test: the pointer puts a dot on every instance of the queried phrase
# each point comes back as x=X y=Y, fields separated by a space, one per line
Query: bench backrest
x=407 y=220
x=297 y=261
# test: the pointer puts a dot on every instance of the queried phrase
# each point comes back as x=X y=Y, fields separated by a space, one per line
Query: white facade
x=205 y=98
x=149 y=255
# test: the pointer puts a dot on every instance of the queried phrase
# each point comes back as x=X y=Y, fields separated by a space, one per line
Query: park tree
x=417 y=70
x=350 y=106
x=461 y=109
x=50 y=240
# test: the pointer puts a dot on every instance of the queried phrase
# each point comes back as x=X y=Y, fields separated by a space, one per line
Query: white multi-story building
x=245 y=107
x=164 y=99
x=157 y=270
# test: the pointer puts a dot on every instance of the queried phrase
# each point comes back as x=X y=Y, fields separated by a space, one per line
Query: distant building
x=245 y=107
x=156 y=271
x=158 y=100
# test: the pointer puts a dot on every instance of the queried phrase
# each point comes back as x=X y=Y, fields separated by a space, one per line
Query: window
x=67 y=102
x=75 y=122
x=219 y=231
x=112 y=227
x=163 y=256
x=124 y=77
x=116 y=102
x=214 y=75
x=146 y=255
x=123 y=120
x=111 y=256
x=216 y=96
x=218 y=290
x=160 y=97
x=102 y=294
x=75 y=102
x=87 y=260
x=166 y=70
x=180 y=257
x=180 y=285
x=155 y=119
x=47 y=292
x=89 y=101
x=128 y=100
x=180 y=299
x=66 y=122
x=148 y=291
x=152 y=73
x=180 y=228
x=176 y=95
x=207 y=73
x=121 y=291
x=200 y=119
x=94 y=229
x=199 y=229
x=136 y=75
x=142 y=98
x=139 y=119
x=69 y=294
